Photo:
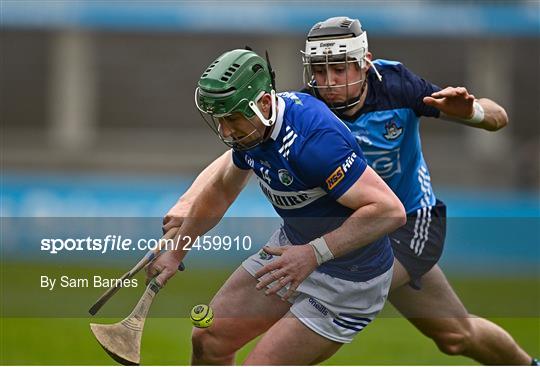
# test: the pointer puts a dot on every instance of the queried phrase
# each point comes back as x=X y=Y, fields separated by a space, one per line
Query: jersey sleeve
x=239 y=160
x=328 y=161
x=416 y=89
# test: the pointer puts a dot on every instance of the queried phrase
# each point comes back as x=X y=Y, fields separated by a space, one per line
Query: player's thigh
x=400 y=276
x=241 y=312
x=290 y=342
x=434 y=309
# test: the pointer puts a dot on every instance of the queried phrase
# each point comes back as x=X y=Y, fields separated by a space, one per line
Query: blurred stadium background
x=98 y=121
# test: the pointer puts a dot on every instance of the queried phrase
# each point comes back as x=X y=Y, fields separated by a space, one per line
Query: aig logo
x=385 y=162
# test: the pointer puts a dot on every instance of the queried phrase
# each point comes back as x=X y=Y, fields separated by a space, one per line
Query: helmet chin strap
x=270 y=121
x=379 y=76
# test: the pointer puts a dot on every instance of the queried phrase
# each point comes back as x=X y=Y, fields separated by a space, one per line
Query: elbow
x=500 y=120
x=400 y=215
x=503 y=121
x=396 y=214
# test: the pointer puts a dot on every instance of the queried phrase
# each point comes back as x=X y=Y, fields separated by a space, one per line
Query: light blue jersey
x=310 y=160
x=387 y=129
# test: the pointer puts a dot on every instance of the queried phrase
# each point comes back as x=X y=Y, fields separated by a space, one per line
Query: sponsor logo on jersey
x=249 y=161
x=290 y=199
x=385 y=162
x=318 y=306
x=349 y=162
x=266 y=163
x=339 y=173
x=392 y=131
x=285 y=177
x=335 y=178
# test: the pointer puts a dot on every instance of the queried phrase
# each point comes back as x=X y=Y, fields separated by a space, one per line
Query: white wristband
x=478 y=113
x=322 y=252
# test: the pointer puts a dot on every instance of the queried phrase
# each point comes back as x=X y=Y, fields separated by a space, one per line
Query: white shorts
x=334 y=308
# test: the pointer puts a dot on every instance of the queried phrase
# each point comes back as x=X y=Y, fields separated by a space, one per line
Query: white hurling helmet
x=338 y=40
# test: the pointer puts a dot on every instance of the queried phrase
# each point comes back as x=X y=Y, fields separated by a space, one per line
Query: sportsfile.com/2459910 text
x=119 y=243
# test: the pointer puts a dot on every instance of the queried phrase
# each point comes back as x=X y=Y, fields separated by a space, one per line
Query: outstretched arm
x=456 y=104
x=208 y=204
x=175 y=216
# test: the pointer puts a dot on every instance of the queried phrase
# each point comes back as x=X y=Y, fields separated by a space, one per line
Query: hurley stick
x=148 y=258
x=122 y=341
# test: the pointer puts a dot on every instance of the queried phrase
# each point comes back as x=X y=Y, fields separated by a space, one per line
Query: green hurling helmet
x=234 y=83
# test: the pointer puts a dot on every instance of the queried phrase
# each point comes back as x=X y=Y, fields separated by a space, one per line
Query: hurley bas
x=97 y=282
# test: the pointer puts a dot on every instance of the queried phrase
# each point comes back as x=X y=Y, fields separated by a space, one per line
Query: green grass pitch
x=50 y=340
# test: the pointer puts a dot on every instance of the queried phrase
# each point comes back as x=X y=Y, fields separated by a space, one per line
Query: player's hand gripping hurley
x=147 y=259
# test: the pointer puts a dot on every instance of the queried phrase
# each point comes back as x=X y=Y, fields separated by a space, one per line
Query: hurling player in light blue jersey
x=334 y=268
x=382 y=102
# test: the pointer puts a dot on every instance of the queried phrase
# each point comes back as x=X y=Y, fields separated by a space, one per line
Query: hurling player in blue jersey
x=335 y=265
x=381 y=102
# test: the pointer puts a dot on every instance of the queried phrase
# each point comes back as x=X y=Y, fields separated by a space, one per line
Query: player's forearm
x=495 y=117
x=212 y=201
x=211 y=174
x=206 y=177
x=366 y=225
x=204 y=213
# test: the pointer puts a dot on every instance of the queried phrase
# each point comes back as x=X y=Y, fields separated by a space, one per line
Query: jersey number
x=265 y=175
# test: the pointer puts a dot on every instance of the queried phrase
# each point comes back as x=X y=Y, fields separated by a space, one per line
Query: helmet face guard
x=247 y=109
x=234 y=83
x=327 y=62
x=335 y=41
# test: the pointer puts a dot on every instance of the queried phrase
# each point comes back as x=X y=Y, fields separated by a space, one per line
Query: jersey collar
x=279 y=119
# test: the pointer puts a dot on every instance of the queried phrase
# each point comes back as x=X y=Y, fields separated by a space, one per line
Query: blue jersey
x=308 y=162
x=387 y=129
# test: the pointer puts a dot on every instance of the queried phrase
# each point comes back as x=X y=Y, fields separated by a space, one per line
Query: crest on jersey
x=392 y=131
x=263 y=255
x=285 y=177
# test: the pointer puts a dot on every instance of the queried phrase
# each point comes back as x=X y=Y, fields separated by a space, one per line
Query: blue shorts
x=418 y=245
